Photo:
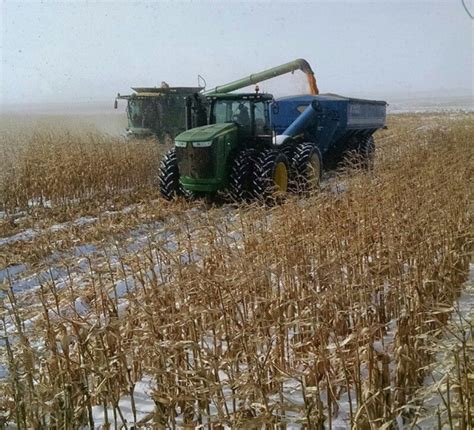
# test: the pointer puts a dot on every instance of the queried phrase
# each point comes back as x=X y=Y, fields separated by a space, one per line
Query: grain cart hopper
x=156 y=111
x=257 y=146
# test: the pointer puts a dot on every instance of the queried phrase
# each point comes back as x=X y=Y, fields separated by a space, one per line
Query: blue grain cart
x=334 y=124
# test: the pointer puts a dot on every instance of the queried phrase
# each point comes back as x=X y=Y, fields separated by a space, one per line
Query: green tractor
x=235 y=152
x=229 y=145
x=249 y=145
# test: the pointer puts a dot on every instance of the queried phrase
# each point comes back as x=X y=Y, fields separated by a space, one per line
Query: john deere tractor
x=229 y=136
x=234 y=152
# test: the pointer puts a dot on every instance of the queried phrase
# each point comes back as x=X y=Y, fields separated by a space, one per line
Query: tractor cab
x=250 y=112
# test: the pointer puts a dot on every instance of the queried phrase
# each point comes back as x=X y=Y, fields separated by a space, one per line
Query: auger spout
x=301 y=123
x=299 y=64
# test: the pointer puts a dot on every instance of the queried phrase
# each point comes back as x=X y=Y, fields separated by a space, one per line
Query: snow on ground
x=30 y=233
x=26 y=280
x=11 y=271
x=444 y=366
x=73 y=267
x=19 y=237
x=439 y=104
x=293 y=390
x=142 y=403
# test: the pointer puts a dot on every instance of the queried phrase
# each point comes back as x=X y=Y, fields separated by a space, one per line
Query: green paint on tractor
x=202 y=155
x=205 y=154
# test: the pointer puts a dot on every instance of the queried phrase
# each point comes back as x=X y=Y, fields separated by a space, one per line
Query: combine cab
x=156 y=111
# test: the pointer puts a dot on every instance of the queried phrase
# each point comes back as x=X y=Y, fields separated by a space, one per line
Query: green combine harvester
x=249 y=145
x=156 y=111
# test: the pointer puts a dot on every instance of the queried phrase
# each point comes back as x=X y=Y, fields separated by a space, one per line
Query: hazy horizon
x=81 y=52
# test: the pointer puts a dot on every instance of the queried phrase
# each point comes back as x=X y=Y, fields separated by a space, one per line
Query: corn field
x=326 y=311
x=44 y=167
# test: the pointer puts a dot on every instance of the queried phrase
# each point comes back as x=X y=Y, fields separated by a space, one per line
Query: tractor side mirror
x=116 y=104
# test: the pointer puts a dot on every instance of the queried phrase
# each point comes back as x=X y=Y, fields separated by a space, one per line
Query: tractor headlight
x=205 y=144
x=180 y=144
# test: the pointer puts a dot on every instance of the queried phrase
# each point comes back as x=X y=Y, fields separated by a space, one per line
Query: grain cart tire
x=366 y=150
x=307 y=168
x=169 y=176
x=240 y=182
x=270 y=175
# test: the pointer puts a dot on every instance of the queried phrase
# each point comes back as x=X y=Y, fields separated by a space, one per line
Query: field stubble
x=65 y=170
x=320 y=312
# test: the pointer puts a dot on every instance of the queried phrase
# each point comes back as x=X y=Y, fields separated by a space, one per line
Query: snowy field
x=58 y=268
x=431 y=104
x=74 y=267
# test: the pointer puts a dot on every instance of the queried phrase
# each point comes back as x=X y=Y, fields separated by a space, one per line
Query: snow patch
x=25 y=235
x=143 y=403
x=11 y=272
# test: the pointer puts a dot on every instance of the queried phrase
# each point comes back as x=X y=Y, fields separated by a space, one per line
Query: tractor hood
x=206 y=132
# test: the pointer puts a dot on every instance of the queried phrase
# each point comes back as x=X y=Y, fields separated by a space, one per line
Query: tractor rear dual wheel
x=306 y=168
x=270 y=175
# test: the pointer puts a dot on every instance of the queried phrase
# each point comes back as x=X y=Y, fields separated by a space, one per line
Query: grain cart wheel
x=307 y=168
x=270 y=175
x=169 y=176
x=366 y=150
x=240 y=182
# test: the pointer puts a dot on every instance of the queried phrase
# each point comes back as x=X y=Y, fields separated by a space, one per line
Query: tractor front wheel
x=270 y=175
x=169 y=176
x=240 y=182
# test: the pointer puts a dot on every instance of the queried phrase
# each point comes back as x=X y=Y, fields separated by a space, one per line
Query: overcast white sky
x=88 y=51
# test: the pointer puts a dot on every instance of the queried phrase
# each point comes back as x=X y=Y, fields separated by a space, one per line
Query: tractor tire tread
x=169 y=176
x=299 y=164
x=262 y=174
x=240 y=184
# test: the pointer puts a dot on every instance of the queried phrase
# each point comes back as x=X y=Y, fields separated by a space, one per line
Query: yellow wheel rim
x=313 y=171
x=280 y=177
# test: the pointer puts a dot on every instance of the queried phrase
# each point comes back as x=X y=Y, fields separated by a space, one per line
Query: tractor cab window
x=261 y=118
x=232 y=111
x=241 y=114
